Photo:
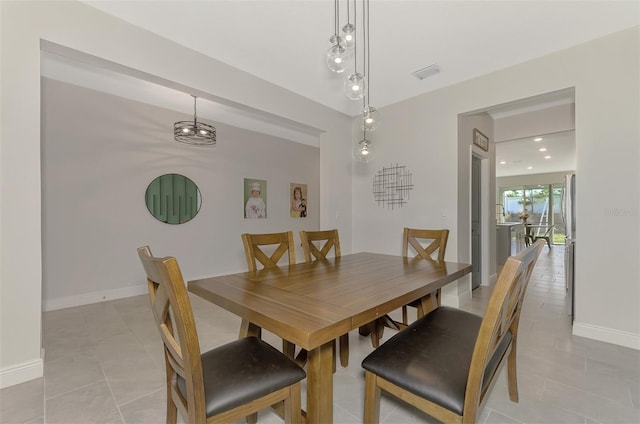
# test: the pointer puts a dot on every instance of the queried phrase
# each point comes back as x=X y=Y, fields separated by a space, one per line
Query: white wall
x=422 y=133
x=80 y=27
x=546 y=121
x=99 y=153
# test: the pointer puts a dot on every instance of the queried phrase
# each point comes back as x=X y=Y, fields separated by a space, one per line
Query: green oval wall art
x=173 y=199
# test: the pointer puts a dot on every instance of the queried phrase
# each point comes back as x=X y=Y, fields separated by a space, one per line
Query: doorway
x=476 y=221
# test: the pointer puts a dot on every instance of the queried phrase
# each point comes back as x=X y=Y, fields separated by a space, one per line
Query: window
x=542 y=202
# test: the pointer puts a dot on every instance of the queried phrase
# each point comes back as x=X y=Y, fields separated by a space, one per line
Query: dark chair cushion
x=242 y=371
x=431 y=357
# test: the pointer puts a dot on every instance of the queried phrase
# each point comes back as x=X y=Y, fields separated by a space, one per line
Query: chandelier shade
x=194 y=132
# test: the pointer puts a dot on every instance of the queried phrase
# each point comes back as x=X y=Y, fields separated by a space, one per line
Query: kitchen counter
x=509 y=240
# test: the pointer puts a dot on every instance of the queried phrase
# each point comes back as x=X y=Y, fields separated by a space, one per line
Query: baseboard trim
x=94 y=297
x=21 y=373
x=608 y=335
x=456 y=301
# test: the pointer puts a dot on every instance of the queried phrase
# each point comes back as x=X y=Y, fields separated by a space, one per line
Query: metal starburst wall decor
x=391 y=186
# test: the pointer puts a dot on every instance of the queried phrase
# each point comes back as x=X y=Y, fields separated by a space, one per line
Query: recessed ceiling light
x=529 y=167
x=503 y=162
x=548 y=157
x=537 y=139
x=542 y=149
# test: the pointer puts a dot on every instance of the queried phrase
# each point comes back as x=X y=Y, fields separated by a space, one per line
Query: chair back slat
x=174 y=317
x=500 y=320
x=281 y=242
x=418 y=239
x=313 y=246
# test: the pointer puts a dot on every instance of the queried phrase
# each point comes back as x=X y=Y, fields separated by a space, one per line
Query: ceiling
x=284 y=42
x=524 y=156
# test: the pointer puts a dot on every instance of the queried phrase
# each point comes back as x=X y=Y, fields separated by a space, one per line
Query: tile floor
x=104 y=364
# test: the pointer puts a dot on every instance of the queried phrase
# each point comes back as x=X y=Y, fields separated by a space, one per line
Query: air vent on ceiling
x=426 y=72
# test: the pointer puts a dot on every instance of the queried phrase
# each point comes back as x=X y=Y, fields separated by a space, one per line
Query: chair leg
x=405 y=315
x=333 y=354
x=293 y=406
x=249 y=329
x=253 y=418
x=364 y=330
x=344 y=350
x=289 y=349
x=511 y=373
x=371 y=399
x=377 y=331
x=172 y=409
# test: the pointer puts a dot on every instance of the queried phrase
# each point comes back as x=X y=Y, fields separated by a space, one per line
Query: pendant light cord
x=336 y=16
x=355 y=38
x=195 y=115
x=368 y=57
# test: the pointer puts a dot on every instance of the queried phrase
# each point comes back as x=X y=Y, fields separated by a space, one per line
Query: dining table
x=312 y=304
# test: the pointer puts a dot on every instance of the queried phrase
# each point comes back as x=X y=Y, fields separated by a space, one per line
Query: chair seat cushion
x=242 y=371
x=431 y=357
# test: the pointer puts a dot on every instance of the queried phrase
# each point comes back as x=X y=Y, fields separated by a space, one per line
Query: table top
x=310 y=304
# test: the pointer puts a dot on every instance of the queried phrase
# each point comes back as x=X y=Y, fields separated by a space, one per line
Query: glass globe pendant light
x=349 y=35
x=337 y=54
x=354 y=86
x=370 y=116
x=363 y=150
x=370 y=119
x=349 y=30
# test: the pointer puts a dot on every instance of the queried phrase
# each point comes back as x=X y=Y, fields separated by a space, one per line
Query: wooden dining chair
x=279 y=243
x=224 y=384
x=316 y=245
x=446 y=362
x=426 y=244
x=267 y=250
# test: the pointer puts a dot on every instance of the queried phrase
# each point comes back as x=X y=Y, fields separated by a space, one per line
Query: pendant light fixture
x=357 y=86
x=364 y=150
x=370 y=118
x=194 y=132
x=354 y=85
x=349 y=29
x=337 y=54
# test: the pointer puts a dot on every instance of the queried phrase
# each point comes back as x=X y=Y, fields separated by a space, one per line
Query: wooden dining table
x=312 y=304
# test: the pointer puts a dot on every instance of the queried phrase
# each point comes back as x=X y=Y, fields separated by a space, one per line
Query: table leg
x=320 y=384
x=428 y=303
x=249 y=329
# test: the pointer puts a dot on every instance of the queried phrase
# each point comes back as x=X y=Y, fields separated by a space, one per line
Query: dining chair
x=224 y=384
x=280 y=243
x=546 y=236
x=446 y=362
x=425 y=243
x=316 y=245
x=267 y=250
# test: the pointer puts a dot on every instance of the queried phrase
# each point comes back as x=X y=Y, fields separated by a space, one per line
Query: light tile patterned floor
x=104 y=364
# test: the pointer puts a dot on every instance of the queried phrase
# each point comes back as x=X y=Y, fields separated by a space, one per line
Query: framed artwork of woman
x=298 y=200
